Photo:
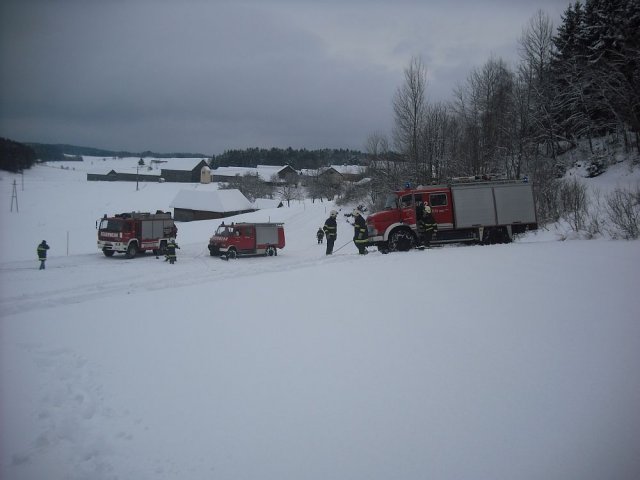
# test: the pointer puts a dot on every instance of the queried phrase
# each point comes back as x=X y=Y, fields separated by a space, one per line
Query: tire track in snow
x=127 y=277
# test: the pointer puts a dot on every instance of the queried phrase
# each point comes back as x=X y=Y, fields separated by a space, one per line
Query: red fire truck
x=471 y=210
x=235 y=239
x=135 y=232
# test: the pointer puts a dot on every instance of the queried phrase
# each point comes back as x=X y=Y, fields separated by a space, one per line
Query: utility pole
x=14 y=196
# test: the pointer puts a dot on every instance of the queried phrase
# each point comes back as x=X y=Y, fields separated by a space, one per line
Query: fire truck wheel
x=271 y=251
x=132 y=250
x=232 y=254
x=401 y=241
x=108 y=253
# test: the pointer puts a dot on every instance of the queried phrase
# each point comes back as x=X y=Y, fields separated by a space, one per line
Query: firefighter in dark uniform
x=360 y=234
x=42 y=253
x=427 y=226
x=320 y=235
x=330 y=229
x=171 y=250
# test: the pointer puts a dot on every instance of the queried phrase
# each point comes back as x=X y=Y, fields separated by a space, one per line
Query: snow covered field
x=505 y=362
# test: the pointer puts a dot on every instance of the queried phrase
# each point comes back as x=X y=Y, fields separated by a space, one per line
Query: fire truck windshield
x=224 y=231
x=391 y=202
x=111 y=225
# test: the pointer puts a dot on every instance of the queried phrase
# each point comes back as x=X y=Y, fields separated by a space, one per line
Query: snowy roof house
x=190 y=205
x=266 y=173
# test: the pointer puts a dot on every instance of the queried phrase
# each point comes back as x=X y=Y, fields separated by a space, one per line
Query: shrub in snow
x=623 y=211
x=574 y=203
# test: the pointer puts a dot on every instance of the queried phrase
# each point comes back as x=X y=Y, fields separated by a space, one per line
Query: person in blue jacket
x=42 y=253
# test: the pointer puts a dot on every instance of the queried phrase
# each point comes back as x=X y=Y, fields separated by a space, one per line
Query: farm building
x=266 y=173
x=190 y=205
x=182 y=170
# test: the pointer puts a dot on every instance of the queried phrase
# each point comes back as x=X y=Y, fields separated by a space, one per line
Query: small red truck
x=470 y=209
x=236 y=239
x=135 y=232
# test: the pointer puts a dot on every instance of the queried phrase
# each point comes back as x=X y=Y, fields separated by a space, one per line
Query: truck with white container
x=469 y=209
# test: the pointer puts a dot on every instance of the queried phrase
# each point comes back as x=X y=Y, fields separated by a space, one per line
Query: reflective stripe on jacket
x=42 y=251
x=360 y=234
x=330 y=227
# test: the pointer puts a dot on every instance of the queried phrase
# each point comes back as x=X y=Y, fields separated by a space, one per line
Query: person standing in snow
x=171 y=250
x=360 y=234
x=427 y=226
x=320 y=235
x=330 y=229
x=42 y=253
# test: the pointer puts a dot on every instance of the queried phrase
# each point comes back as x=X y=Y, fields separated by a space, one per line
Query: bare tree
x=385 y=169
x=288 y=191
x=536 y=53
x=437 y=135
x=484 y=106
x=409 y=111
x=251 y=186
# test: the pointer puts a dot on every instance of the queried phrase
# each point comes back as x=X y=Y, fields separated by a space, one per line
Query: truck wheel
x=506 y=238
x=401 y=241
x=132 y=250
x=107 y=252
x=232 y=254
x=496 y=235
x=271 y=251
x=383 y=247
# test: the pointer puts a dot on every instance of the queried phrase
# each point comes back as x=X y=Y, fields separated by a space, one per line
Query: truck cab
x=394 y=227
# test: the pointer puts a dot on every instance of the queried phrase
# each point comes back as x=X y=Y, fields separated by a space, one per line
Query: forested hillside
x=56 y=152
x=14 y=156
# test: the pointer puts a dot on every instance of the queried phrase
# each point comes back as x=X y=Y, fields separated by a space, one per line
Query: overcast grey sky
x=207 y=76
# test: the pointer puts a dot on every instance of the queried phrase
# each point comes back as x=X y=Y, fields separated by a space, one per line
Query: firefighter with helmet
x=320 y=235
x=427 y=226
x=330 y=229
x=171 y=251
x=360 y=234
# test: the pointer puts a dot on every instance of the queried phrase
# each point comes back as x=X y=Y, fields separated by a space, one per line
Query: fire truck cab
x=239 y=239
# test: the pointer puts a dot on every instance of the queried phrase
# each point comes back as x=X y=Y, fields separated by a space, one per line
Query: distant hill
x=56 y=152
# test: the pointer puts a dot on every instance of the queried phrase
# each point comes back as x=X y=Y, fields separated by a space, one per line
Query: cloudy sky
x=210 y=75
